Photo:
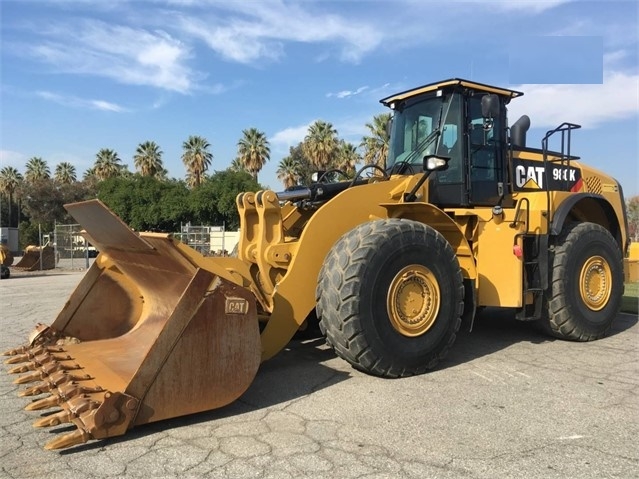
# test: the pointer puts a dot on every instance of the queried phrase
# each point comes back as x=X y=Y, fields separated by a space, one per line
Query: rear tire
x=587 y=283
x=390 y=297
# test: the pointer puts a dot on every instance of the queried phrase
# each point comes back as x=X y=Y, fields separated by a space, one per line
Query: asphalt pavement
x=508 y=402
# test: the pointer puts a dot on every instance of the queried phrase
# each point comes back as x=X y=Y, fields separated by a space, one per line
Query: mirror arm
x=412 y=196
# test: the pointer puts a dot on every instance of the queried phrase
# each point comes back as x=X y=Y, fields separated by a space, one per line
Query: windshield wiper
x=433 y=135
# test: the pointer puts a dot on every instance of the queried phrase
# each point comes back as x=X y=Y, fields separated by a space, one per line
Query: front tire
x=587 y=283
x=390 y=297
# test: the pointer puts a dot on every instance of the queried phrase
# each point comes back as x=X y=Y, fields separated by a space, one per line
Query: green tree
x=65 y=173
x=214 y=202
x=376 y=144
x=107 y=164
x=89 y=174
x=196 y=158
x=36 y=170
x=10 y=180
x=236 y=165
x=632 y=209
x=288 y=171
x=147 y=203
x=303 y=168
x=347 y=158
x=42 y=203
x=253 y=151
x=148 y=159
x=320 y=144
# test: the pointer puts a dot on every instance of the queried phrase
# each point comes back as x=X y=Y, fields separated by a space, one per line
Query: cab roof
x=450 y=83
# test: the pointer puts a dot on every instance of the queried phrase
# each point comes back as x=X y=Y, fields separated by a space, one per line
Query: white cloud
x=347 y=93
x=588 y=105
x=12 y=158
x=284 y=139
x=612 y=58
x=535 y=6
x=105 y=105
x=258 y=30
x=127 y=55
x=75 y=102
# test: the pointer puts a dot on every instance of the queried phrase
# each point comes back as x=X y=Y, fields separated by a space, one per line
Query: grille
x=594 y=185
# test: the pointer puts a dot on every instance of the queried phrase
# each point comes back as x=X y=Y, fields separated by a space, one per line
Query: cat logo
x=531 y=175
x=236 y=306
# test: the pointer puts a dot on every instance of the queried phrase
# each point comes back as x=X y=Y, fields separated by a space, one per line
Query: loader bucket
x=148 y=334
x=37 y=258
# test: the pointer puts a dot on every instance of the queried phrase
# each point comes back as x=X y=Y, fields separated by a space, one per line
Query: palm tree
x=148 y=159
x=36 y=169
x=65 y=173
x=162 y=174
x=10 y=179
x=320 y=144
x=253 y=151
x=196 y=158
x=347 y=158
x=237 y=165
x=288 y=171
x=376 y=145
x=107 y=164
x=89 y=174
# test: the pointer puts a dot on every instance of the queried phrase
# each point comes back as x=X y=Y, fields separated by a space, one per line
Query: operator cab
x=458 y=119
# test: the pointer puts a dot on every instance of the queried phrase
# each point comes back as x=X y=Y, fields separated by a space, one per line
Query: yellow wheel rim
x=413 y=300
x=595 y=283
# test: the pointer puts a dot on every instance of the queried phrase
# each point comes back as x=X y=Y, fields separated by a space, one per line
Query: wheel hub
x=413 y=300
x=595 y=283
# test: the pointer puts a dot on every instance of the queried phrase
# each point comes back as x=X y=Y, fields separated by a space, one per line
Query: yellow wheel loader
x=464 y=215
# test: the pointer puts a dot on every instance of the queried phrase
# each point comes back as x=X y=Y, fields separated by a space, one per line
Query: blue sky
x=82 y=75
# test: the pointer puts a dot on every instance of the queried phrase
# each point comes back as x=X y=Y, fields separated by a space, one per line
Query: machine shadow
x=299 y=371
x=495 y=329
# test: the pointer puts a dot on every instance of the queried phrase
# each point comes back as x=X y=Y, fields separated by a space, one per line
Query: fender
x=432 y=216
x=563 y=211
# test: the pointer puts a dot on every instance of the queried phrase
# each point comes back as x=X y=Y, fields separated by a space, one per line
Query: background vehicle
x=464 y=215
x=36 y=258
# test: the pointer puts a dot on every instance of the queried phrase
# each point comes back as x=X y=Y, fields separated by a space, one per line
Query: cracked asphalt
x=507 y=402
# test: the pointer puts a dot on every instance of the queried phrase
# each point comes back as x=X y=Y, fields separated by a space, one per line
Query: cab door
x=448 y=188
x=484 y=153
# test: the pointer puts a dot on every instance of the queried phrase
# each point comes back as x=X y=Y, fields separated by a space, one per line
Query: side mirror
x=431 y=163
x=490 y=106
x=389 y=126
x=317 y=175
x=435 y=163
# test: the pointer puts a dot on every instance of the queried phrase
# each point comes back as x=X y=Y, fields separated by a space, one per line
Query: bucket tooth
x=45 y=371
x=72 y=409
x=16 y=351
x=40 y=338
x=25 y=356
x=27 y=353
x=52 y=382
x=17 y=358
x=29 y=378
x=68 y=440
x=64 y=392
x=56 y=419
x=45 y=403
x=37 y=362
